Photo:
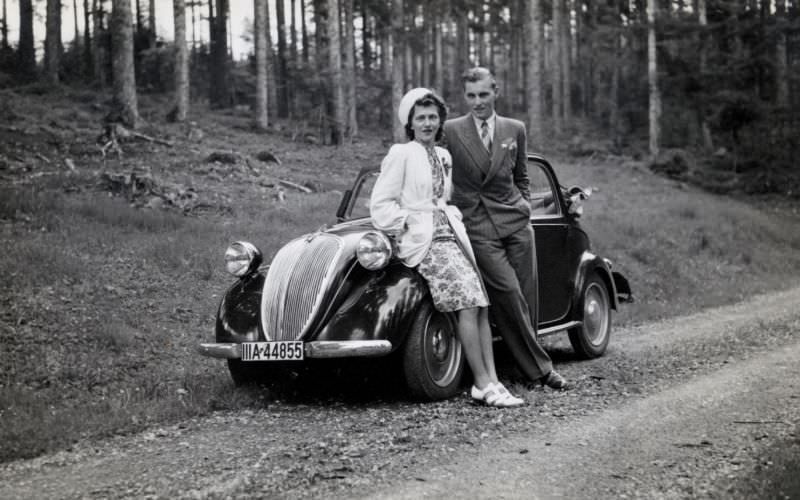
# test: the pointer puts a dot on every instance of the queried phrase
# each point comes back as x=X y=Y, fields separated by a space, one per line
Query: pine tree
x=181 y=74
x=335 y=66
x=533 y=86
x=652 y=80
x=123 y=77
x=26 y=54
x=259 y=27
x=52 y=44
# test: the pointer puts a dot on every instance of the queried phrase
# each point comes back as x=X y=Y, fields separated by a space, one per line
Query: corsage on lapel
x=445 y=164
x=509 y=145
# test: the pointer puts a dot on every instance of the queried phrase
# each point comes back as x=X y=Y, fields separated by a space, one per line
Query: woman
x=409 y=201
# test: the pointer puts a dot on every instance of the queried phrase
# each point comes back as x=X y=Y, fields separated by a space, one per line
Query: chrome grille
x=297 y=279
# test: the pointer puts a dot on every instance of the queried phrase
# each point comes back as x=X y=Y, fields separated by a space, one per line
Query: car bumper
x=316 y=349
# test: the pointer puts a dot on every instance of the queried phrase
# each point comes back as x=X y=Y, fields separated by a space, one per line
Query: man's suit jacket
x=492 y=191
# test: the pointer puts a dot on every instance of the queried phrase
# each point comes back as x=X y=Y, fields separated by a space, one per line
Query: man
x=491 y=188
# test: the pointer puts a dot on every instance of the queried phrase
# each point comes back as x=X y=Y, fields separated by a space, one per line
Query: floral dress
x=452 y=280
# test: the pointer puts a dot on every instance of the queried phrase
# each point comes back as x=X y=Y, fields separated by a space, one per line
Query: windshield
x=361 y=196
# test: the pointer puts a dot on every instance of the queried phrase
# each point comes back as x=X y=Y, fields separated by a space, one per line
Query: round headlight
x=241 y=258
x=374 y=250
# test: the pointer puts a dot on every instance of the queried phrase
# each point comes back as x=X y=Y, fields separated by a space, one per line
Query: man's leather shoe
x=554 y=380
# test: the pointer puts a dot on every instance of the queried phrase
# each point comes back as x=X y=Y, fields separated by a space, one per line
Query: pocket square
x=509 y=145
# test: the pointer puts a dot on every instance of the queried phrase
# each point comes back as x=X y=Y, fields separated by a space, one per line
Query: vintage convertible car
x=338 y=293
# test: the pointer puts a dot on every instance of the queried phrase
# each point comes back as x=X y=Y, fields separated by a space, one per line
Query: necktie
x=487 y=141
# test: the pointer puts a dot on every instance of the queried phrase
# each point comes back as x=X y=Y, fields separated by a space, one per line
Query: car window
x=362 y=195
x=543 y=196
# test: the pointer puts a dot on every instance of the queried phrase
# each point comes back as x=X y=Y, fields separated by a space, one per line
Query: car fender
x=238 y=315
x=380 y=306
x=592 y=263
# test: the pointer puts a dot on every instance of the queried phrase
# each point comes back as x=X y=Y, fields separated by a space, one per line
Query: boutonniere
x=509 y=145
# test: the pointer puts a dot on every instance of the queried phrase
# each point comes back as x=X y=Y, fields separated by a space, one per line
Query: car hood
x=305 y=275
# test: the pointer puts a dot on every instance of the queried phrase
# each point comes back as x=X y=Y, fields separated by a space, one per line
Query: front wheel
x=433 y=361
x=591 y=338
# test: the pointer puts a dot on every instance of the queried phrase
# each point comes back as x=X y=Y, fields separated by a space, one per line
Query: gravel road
x=705 y=405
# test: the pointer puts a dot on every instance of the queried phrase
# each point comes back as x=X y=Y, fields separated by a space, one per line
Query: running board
x=551 y=330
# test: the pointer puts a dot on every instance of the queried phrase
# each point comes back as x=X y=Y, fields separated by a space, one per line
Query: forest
x=707 y=89
x=132 y=154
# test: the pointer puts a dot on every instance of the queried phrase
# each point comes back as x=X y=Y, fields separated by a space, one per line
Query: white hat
x=408 y=101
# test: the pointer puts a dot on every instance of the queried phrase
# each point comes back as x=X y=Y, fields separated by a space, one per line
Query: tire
x=433 y=361
x=590 y=340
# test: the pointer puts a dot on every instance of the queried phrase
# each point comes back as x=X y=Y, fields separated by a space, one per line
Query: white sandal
x=512 y=399
x=495 y=395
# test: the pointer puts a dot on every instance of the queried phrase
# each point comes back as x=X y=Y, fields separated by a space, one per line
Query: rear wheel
x=591 y=338
x=433 y=361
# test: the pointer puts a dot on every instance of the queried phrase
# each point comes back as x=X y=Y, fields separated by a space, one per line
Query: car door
x=551 y=231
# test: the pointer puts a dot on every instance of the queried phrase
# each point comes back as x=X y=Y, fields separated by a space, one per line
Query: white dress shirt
x=489 y=122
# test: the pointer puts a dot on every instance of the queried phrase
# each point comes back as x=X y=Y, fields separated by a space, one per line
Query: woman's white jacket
x=402 y=202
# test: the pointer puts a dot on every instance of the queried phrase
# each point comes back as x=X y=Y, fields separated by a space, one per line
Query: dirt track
x=705 y=405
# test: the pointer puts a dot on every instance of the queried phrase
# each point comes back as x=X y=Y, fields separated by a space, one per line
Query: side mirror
x=575 y=197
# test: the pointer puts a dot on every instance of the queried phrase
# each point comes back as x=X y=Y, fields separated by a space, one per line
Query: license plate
x=282 y=350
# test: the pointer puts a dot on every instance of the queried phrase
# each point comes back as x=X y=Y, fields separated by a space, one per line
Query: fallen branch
x=151 y=139
x=291 y=184
x=43 y=157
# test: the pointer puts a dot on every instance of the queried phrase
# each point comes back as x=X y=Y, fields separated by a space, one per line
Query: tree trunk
x=98 y=49
x=478 y=28
x=566 y=61
x=517 y=63
x=398 y=53
x=652 y=80
x=366 y=38
x=124 y=81
x=4 y=43
x=193 y=5
x=181 y=69
x=220 y=71
x=386 y=37
x=616 y=72
x=304 y=31
x=426 y=55
x=556 y=81
x=52 y=44
x=462 y=50
x=26 y=54
x=283 y=97
x=335 y=66
x=781 y=58
x=702 y=19
x=294 y=59
x=438 y=69
x=88 y=67
x=151 y=24
x=139 y=23
x=534 y=37
x=76 y=40
x=579 y=74
x=321 y=96
x=260 y=32
x=272 y=90
x=349 y=79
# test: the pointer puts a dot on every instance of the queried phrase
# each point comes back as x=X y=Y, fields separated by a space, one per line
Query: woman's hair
x=430 y=99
